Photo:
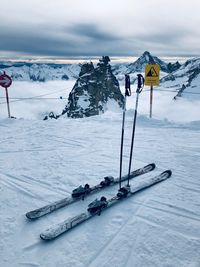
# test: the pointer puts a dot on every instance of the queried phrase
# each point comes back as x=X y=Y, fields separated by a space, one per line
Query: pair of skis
x=65 y=226
x=37 y=213
x=60 y=228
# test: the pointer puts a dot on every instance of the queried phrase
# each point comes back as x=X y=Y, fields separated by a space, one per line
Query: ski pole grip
x=140 y=81
x=127 y=85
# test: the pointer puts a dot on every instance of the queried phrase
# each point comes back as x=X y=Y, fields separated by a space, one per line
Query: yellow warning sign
x=152 y=73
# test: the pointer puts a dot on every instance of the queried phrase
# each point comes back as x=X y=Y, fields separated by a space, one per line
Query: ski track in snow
x=43 y=161
x=98 y=259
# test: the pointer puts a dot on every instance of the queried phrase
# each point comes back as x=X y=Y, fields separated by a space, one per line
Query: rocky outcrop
x=173 y=66
x=93 y=90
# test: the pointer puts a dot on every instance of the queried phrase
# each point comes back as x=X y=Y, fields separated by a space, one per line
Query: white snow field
x=43 y=161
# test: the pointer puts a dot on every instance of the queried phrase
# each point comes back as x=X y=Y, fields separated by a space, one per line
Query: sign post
x=152 y=73
x=6 y=81
x=7 y=100
x=151 y=101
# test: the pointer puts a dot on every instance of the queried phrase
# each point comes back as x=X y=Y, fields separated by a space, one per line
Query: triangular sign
x=152 y=73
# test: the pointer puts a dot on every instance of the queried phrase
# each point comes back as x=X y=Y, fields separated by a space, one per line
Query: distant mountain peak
x=146 y=53
x=147 y=57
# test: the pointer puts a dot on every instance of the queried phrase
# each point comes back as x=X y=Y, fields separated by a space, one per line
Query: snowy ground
x=34 y=100
x=42 y=161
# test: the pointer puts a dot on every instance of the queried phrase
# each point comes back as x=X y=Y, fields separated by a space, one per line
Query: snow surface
x=43 y=161
x=34 y=100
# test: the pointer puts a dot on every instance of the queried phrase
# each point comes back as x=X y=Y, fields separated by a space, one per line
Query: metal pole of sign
x=151 y=101
x=7 y=99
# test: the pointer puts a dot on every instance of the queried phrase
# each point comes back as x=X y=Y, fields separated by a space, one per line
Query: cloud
x=34 y=42
x=78 y=39
x=93 y=32
x=100 y=27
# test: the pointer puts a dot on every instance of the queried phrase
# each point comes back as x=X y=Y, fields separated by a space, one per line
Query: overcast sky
x=61 y=28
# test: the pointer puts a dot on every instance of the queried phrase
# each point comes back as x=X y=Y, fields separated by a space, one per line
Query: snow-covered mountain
x=23 y=71
x=146 y=58
x=40 y=72
x=186 y=73
x=138 y=66
x=186 y=79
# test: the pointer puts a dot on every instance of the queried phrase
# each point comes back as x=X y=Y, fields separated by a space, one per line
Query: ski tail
x=65 y=226
x=145 y=169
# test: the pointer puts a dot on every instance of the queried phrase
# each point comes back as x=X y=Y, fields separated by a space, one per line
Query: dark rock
x=193 y=74
x=65 y=77
x=51 y=116
x=180 y=91
x=92 y=90
x=169 y=77
x=173 y=66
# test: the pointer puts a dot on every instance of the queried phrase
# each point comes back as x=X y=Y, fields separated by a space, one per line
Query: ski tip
x=48 y=237
x=43 y=237
x=31 y=215
x=169 y=172
x=28 y=216
x=153 y=165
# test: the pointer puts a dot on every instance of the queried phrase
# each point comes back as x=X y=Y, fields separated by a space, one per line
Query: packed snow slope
x=43 y=161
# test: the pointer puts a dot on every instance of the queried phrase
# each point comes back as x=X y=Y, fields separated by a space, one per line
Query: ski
x=97 y=206
x=81 y=192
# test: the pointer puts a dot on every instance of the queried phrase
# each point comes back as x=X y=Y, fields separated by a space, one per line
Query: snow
x=40 y=72
x=46 y=71
x=83 y=101
x=26 y=97
x=43 y=161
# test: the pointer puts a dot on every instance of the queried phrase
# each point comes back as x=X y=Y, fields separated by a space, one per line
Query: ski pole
x=140 y=85
x=127 y=93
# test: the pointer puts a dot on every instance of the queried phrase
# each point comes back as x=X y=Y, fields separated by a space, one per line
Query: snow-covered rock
x=92 y=90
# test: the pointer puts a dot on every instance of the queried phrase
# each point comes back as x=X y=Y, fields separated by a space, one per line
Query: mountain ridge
x=28 y=71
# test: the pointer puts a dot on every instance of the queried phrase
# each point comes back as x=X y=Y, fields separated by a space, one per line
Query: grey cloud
x=88 y=40
x=68 y=42
x=164 y=36
x=99 y=27
x=36 y=42
x=92 y=31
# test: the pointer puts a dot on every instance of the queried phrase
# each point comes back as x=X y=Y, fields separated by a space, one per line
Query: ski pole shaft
x=133 y=137
x=122 y=144
x=127 y=93
x=140 y=80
